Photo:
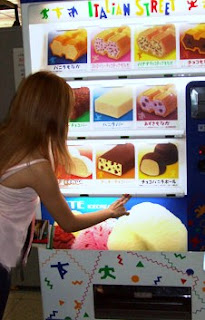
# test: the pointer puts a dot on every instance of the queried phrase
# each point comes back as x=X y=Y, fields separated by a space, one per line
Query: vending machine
x=137 y=72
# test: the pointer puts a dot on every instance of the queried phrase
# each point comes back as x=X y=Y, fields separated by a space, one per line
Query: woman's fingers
x=125 y=198
x=118 y=206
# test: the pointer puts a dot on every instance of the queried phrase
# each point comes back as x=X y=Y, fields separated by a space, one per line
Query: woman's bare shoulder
x=27 y=172
x=39 y=168
x=43 y=179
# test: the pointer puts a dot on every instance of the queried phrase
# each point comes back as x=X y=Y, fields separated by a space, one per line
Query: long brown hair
x=39 y=116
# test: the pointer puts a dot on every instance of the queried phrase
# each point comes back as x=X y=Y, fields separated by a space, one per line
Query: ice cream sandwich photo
x=157 y=103
x=111 y=45
x=67 y=47
x=113 y=104
x=116 y=162
x=192 y=41
x=155 y=43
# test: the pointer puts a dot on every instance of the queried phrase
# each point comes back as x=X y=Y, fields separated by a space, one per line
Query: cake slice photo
x=68 y=46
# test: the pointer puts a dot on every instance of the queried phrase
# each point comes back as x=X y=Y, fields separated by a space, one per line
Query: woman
x=32 y=146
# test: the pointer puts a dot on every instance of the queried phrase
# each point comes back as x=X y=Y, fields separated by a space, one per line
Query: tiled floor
x=24 y=305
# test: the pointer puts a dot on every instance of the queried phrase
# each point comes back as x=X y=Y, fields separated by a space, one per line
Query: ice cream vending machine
x=137 y=72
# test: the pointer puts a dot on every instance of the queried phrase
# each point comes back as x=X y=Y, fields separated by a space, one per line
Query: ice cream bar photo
x=118 y=160
x=115 y=103
x=81 y=102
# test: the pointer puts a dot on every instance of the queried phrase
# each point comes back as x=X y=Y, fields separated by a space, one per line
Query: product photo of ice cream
x=118 y=160
x=158 y=41
x=81 y=166
x=155 y=163
x=113 y=42
x=149 y=227
x=194 y=39
x=158 y=100
x=168 y=152
x=115 y=102
x=81 y=102
x=70 y=44
x=152 y=164
x=94 y=238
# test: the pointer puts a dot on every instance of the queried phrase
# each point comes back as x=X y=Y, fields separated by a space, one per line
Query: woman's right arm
x=44 y=182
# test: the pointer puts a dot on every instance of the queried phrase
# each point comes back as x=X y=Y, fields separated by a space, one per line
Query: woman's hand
x=117 y=208
x=42 y=179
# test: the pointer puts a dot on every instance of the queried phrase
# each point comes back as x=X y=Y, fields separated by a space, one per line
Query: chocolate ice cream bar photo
x=69 y=46
x=81 y=106
x=160 y=159
x=117 y=161
x=193 y=39
x=113 y=104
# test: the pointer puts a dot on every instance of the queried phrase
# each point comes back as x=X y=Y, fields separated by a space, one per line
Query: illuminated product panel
x=139 y=167
x=130 y=107
x=138 y=38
